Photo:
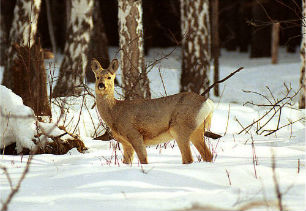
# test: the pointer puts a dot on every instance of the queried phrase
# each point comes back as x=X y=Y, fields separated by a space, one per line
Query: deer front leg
x=136 y=140
x=128 y=153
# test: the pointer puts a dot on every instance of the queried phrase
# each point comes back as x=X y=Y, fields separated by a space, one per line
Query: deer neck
x=105 y=106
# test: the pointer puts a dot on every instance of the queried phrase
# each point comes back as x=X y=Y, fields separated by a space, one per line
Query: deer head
x=104 y=77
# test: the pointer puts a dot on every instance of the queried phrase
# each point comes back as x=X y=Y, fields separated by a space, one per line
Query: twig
x=276 y=185
x=161 y=78
x=275 y=109
x=254 y=157
x=290 y=123
x=79 y=118
x=228 y=115
x=221 y=81
x=243 y=128
x=15 y=189
x=7 y=176
x=228 y=176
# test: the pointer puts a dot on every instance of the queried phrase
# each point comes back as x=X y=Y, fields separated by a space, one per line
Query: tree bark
x=6 y=19
x=215 y=41
x=29 y=78
x=195 y=45
x=22 y=31
x=50 y=26
x=303 y=57
x=134 y=76
x=98 y=47
x=275 y=42
x=3 y=39
x=72 y=70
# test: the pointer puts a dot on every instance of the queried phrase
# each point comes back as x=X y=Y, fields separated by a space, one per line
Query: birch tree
x=22 y=32
x=303 y=57
x=134 y=77
x=195 y=26
x=72 y=70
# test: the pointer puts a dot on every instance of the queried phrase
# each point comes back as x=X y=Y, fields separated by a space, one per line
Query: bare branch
x=221 y=81
x=16 y=188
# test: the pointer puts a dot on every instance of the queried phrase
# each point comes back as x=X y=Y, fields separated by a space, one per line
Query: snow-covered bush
x=19 y=125
x=17 y=121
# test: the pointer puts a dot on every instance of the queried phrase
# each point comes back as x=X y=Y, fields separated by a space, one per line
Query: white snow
x=98 y=180
x=19 y=125
x=17 y=122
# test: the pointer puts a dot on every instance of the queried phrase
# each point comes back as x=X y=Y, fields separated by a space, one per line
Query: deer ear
x=95 y=66
x=113 y=67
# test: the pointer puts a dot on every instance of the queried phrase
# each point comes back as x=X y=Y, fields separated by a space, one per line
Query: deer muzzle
x=101 y=86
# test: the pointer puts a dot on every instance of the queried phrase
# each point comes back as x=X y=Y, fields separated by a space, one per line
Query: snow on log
x=18 y=125
x=17 y=121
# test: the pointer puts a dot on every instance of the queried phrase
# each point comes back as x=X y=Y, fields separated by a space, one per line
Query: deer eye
x=98 y=78
x=109 y=78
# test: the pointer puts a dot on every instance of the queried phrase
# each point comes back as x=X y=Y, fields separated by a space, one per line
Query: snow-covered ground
x=98 y=180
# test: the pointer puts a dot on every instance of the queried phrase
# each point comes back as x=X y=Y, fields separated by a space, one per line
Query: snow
x=17 y=122
x=19 y=125
x=98 y=180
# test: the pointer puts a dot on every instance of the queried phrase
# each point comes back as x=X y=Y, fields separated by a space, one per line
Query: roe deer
x=140 y=123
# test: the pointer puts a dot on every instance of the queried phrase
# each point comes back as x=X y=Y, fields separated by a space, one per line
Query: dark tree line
x=241 y=23
x=83 y=29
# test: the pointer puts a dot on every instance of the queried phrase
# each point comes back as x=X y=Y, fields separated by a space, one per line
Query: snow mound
x=17 y=121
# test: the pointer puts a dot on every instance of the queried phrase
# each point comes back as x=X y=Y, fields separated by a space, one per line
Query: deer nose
x=101 y=85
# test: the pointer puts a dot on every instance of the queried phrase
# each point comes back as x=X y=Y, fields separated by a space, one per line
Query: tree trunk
x=275 y=42
x=50 y=26
x=195 y=45
x=303 y=58
x=3 y=39
x=72 y=70
x=29 y=78
x=215 y=42
x=22 y=31
x=98 y=43
x=134 y=76
x=6 y=19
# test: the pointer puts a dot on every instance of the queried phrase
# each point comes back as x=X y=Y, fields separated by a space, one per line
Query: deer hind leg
x=197 y=138
x=128 y=153
x=207 y=122
x=182 y=139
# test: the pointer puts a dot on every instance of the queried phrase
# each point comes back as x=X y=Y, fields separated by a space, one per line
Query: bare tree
x=72 y=70
x=134 y=76
x=303 y=55
x=196 y=45
x=22 y=31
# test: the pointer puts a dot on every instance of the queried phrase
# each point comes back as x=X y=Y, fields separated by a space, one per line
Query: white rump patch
x=207 y=107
